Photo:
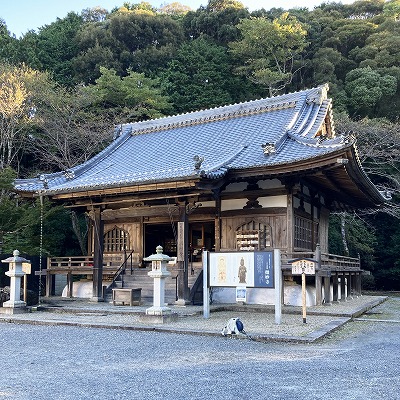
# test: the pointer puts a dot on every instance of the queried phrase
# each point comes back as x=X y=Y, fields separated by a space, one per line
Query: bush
x=368 y=282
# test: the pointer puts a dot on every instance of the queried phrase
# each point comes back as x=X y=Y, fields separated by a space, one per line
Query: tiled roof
x=257 y=133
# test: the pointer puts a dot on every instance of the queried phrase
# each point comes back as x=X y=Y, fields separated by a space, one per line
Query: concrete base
x=16 y=310
x=97 y=299
x=14 y=304
x=155 y=310
x=182 y=302
x=158 y=319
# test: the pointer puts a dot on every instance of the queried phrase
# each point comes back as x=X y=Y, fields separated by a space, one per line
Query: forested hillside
x=65 y=86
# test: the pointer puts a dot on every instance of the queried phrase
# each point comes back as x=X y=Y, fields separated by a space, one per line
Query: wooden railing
x=84 y=264
x=333 y=262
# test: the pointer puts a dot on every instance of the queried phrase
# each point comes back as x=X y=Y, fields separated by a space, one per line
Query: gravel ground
x=357 y=362
x=257 y=324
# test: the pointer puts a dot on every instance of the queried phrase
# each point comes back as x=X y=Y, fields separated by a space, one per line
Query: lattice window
x=303 y=233
x=116 y=240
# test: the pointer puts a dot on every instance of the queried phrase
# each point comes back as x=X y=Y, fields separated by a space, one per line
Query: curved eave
x=339 y=175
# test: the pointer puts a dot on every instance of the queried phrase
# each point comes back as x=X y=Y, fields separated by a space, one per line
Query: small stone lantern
x=159 y=272
x=15 y=272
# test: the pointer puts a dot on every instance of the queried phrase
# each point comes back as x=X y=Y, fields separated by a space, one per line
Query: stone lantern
x=159 y=312
x=15 y=272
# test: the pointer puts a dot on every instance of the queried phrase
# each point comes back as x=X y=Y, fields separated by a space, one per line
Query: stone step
x=139 y=279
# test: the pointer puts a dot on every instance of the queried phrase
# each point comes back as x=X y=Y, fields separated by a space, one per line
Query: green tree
x=128 y=99
x=217 y=23
x=133 y=40
x=387 y=250
x=54 y=238
x=7 y=44
x=365 y=88
x=391 y=9
x=56 y=46
x=269 y=50
x=351 y=236
x=198 y=77
x=9 y=212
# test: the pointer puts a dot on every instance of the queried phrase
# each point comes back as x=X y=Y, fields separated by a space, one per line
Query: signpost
x=243 y=270
x=303 y=267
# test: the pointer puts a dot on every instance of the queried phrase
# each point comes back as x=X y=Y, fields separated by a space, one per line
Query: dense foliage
x=63 y=87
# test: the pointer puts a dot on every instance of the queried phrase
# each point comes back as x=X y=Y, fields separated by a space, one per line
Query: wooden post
x=303 y=296
x=290 y=223
x=318 y=278
x=335 y=283
x=327 y=290
x=183 y=240
x=69 y=284
x=349 y=285
x=343 y=288
x=98 y=245
x=217 y=222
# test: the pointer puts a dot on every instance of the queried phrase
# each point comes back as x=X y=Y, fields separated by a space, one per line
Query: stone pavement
x=259 y=321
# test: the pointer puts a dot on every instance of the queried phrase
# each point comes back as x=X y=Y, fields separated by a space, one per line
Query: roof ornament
x=197 y=162
x=268 y=148
x=68 y=174
x=118 y=132
x=45 y=182
x=318 y=95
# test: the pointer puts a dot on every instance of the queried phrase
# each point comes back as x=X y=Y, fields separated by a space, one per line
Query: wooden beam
x=114 y=191
x=132 y=199
x=145 y=211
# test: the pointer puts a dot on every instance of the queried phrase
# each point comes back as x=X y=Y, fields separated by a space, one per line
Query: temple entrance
x=201 y=236
x=159 y=234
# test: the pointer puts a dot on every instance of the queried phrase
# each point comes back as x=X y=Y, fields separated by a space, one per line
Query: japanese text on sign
x=303 y=266
x=249 y=269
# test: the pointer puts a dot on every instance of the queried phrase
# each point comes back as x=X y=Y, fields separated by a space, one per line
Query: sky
x=24 y=15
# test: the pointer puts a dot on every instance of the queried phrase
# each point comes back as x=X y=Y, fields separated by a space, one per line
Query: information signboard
x=249 y=269
x=303 y=265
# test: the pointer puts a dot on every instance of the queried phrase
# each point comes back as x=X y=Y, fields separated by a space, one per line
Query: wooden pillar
x=358 y=286
x=98 y=246
x=69 y=284
x=335 y=284
x=318 y=278
x=217 y=221
x=290 y=223
x=349 y=284
x=343 y=288
x=327 y=290
x=183 y=255
x=49 y=283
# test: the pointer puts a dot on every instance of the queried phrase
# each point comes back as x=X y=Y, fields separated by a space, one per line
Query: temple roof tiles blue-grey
x=254 y=134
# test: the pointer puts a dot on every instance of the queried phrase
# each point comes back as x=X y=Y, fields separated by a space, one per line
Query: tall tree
x=197 y=78
x=131 y=98
x=217 y=22
x=366 y=88
x=7 y=44
x=269 y=50
x=56 y=46
x=16 y=111
x=68 y=130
